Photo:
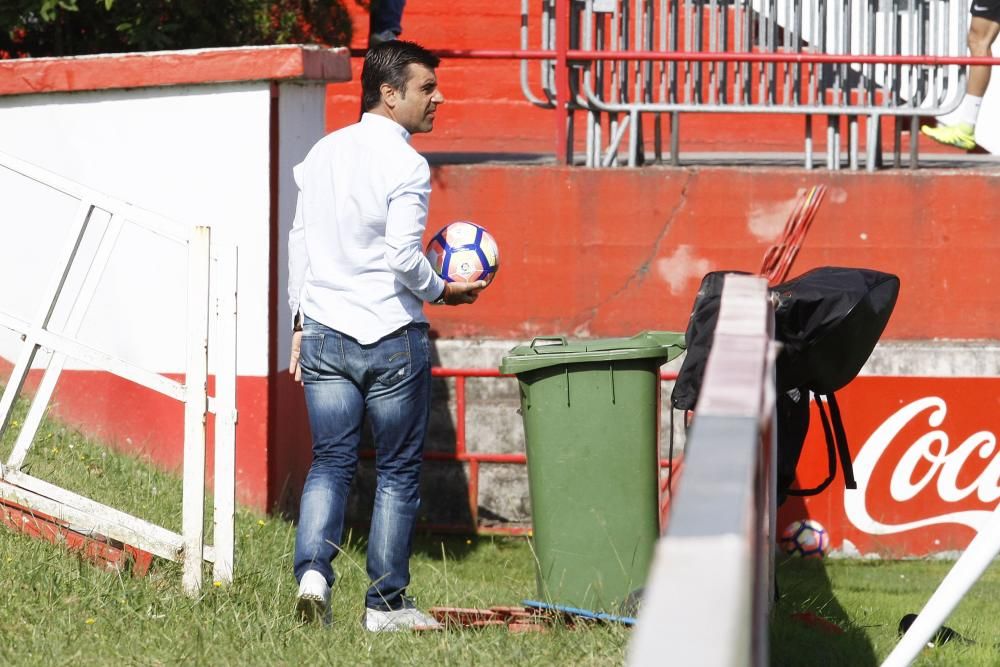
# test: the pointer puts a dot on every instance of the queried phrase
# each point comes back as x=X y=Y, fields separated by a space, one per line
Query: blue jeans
x=390 y=381
x=387 y=15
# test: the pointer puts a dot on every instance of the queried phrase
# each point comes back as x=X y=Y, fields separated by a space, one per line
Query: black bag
x=698 y=340
x=828 y=320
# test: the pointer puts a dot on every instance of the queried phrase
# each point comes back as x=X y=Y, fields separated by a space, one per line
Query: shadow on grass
x=809 y=627
x=429 y=545
x=441 y=547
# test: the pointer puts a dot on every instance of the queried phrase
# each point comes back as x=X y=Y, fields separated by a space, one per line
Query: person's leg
x=336 y=412
x=398 y=404
x=386 y=21
x=387 y=15
x=982 y=33
x=961 y=128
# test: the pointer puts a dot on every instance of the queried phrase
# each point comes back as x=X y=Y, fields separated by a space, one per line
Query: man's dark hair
x=387 y=63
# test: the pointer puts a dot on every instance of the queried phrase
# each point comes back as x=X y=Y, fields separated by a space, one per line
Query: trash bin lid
x=545 y=351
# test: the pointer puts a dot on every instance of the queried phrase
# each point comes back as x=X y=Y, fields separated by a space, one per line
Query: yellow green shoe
x=961 y=135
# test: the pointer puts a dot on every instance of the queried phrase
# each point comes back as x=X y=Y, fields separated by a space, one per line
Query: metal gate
x=618 y=60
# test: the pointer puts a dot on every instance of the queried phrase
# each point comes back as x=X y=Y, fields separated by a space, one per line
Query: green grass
x=61 y=610
x=866 y=599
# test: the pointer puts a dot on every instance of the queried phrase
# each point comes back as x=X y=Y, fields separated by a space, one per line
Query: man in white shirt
x=358 y=280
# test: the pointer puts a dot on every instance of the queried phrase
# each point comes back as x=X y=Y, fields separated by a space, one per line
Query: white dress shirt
x=355 y=261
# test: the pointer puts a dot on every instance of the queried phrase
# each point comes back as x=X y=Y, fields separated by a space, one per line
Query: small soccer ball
x=807 y=538
x=464 y=252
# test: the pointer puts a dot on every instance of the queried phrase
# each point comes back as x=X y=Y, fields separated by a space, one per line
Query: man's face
x=415 y=106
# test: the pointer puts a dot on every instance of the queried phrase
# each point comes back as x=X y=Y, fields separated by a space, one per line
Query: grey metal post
x=852 y=142
x=873 y=143
x=675 y=139
x=809 y=142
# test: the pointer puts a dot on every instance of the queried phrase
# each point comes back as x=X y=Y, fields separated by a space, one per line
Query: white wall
x=196 y=154
x=302 y=124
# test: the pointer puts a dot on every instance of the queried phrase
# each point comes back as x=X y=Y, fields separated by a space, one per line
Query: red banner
x=925 y=459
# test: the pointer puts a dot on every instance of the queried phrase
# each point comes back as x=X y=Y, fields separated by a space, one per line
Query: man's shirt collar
x=378 y=120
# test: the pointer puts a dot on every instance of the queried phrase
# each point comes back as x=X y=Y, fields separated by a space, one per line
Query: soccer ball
x=464 y=252
x=806 y=538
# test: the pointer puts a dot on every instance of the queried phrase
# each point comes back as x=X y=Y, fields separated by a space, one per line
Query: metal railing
x=618 y=60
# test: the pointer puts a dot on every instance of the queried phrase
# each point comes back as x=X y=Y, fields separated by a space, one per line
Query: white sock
x=968 y=110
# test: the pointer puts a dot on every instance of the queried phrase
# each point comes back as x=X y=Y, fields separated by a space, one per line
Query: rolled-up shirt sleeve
x=404 y=230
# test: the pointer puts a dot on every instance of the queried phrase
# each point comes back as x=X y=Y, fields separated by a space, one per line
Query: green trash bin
x=591 y=425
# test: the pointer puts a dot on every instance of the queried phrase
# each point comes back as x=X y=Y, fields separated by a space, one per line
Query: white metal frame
x=615 y=93
x=47 y=344
x=710 y=589
x=966 y=571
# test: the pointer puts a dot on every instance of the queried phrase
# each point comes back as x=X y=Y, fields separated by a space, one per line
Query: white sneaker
x=313 y=602
x=407 y=618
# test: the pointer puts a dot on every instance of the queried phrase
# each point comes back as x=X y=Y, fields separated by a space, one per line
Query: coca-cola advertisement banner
x=926 y=463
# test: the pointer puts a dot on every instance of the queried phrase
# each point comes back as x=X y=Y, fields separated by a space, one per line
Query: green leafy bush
x=36 y=28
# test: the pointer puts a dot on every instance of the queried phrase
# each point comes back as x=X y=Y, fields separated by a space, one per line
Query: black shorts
x=986 y=9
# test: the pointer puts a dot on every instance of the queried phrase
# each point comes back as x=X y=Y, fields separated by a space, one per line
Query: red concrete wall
x=291 y=446
x=612 y=252
x=141 y=422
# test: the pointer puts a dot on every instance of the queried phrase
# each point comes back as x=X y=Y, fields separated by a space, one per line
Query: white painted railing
x=49 y=340
x=967 y=570
x=720 y=70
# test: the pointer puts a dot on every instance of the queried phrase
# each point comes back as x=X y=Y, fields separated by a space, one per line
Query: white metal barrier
x=717 y=40
x=970 y=566
x=710 y=589
x=48 y=340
